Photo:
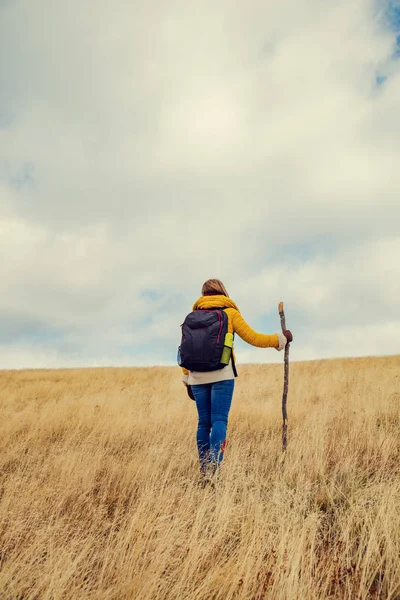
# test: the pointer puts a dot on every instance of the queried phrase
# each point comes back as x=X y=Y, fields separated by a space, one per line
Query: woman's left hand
x=288 y=335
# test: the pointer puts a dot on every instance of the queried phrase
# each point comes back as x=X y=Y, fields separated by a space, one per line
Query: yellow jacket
x=236 y=324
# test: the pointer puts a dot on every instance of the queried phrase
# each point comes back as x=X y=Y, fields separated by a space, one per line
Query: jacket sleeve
x=250 y=336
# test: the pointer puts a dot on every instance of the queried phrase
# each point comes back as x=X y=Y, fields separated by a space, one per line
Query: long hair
x=214 y=287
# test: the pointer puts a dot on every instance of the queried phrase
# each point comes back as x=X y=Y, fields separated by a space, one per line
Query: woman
x=213 y=390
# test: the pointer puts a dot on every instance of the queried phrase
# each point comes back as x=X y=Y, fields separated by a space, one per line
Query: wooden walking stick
x=285 y=381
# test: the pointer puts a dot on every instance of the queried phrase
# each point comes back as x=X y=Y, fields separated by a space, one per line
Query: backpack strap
x=233 y=365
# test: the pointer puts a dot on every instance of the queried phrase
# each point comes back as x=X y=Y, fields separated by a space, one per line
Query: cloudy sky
x=147 y=146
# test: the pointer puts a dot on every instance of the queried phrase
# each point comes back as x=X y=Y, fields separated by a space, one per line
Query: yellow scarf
x=214 y=302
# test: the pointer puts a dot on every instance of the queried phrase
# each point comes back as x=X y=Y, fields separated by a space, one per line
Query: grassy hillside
x=100 y=496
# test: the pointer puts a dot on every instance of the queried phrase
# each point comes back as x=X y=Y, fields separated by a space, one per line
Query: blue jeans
x=213 y=401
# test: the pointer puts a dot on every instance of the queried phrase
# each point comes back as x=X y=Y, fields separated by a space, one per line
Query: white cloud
x=167 y=143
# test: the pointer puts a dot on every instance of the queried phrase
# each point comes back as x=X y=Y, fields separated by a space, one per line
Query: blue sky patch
x=301 y=252
x=152 y=295
x=16 y=327
x=18 y=178
x=397 y=50
x=381 y=80
x=23 y=177
x=393 y=14
x=389 y=16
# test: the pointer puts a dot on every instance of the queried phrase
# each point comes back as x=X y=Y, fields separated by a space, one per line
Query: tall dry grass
x=100 y=496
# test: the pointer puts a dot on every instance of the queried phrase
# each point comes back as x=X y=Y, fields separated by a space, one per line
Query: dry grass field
x=100 y=496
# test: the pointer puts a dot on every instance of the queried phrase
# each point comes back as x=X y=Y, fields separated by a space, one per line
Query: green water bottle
x=227 y=351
